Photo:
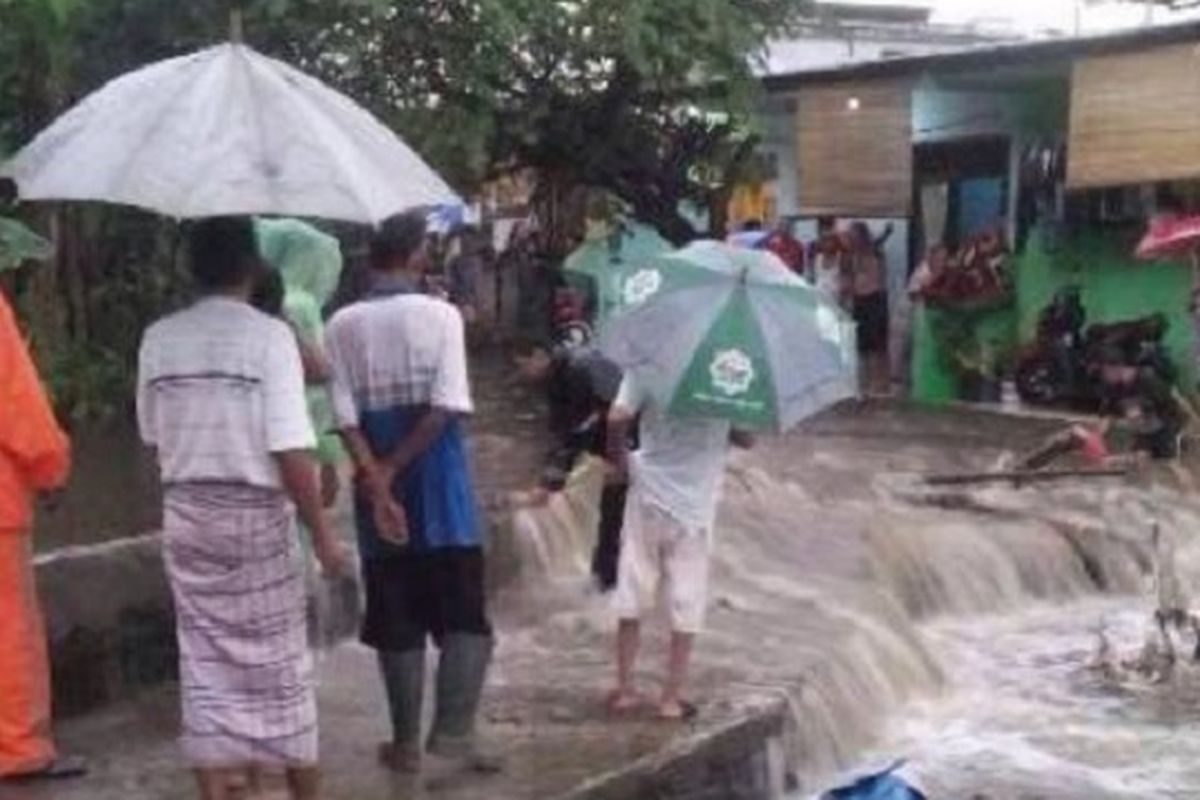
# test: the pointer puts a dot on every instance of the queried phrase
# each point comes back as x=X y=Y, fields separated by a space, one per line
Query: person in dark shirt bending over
x=580 y=385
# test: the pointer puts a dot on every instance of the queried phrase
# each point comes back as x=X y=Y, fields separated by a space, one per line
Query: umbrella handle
x=237 y=27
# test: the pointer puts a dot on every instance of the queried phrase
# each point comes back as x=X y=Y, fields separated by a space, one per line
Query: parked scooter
x=1062 y=368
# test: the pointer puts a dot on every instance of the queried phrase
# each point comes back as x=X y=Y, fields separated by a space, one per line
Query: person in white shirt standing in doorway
x=675 y=478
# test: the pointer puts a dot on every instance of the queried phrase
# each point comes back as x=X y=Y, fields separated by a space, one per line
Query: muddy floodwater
x=959 y=629
x=1028 y=712
x=1052 y=684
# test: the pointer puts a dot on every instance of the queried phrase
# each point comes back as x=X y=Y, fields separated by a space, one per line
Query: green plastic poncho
x=310 y=263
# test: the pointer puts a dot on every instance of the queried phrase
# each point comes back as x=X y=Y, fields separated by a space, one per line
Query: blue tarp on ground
x=879 y=786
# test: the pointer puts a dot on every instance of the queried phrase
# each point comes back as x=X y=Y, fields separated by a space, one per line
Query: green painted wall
x=1115 y=285
x=935 y=375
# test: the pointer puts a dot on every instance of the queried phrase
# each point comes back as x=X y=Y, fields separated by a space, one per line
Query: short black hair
x=397 y=239
x=224 y=252
x=269 y=293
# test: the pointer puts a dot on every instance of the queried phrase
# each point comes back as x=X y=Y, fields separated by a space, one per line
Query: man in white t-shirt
x=675 y=478
x=221 y=400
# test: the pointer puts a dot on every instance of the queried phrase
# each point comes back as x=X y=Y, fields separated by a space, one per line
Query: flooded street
x=1029 y=705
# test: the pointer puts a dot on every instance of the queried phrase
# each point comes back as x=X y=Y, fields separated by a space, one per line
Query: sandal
x=623 y=705
x=59 y=769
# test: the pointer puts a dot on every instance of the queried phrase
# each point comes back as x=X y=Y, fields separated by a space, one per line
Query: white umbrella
x=227 y=131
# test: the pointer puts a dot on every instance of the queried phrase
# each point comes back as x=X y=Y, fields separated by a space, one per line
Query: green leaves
x=591 y=91
x=62 y=9
x=18 y=245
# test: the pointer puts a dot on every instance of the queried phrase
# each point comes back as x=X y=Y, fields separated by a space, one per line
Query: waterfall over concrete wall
x=828 y=561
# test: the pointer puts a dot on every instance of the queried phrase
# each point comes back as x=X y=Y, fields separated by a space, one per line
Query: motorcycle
x=1063 y=366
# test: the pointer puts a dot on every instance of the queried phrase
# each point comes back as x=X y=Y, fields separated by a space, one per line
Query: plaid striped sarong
x=245 y=667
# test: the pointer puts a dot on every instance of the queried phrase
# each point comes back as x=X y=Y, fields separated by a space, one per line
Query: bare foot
x=621 y=702
x=405 y=760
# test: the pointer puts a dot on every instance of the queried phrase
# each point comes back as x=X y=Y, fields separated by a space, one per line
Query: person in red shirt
x=782 y=243
x=34 y=457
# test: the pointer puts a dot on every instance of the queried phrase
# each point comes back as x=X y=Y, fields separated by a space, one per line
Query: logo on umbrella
x=641 y=286
x=732 y=372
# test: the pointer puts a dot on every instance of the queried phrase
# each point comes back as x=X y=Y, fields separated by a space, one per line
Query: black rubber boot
x=462 y=670
x=404 y=680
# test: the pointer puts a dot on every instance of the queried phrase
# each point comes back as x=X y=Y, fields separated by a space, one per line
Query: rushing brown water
x=867 y=600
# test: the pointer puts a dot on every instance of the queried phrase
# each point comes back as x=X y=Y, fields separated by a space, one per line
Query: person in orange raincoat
x=34 y=457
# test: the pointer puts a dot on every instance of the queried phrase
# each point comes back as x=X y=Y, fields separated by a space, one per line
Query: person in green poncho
x=310 y=265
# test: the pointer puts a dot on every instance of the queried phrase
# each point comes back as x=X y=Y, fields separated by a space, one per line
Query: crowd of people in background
x=849 y=266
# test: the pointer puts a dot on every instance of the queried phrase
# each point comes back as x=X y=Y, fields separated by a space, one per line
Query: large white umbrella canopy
x=227 y=131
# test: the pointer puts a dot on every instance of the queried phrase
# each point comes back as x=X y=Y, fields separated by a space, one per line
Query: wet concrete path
x=545 y=719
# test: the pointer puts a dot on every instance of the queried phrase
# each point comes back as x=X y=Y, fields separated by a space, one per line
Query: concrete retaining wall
x=744 y=760
x=110 y=620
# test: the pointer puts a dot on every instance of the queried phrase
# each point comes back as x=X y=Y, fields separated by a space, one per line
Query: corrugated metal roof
x=989 y=55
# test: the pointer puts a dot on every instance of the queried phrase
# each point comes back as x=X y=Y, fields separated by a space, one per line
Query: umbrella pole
x=237 y=27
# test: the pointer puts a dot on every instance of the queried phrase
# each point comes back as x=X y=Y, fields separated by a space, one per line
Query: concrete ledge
x=109 y=621
x=111 y=626
x=739 y=760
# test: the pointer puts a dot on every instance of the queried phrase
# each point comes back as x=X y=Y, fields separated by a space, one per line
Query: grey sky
x=1041 y=14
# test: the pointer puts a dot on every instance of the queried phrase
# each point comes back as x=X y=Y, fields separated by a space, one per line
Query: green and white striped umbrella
x=603 y=264
x=721 y=332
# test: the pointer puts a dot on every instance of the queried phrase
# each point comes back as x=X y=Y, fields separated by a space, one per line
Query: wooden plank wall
x=855 y=148
x=1135 y=118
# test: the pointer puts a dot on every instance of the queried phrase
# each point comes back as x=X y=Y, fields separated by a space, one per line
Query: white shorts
x=663 y=559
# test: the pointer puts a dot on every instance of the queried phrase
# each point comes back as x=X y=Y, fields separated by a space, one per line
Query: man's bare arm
x=360 y=453
x=431 y=425
x=376 y=480
x=298 y=472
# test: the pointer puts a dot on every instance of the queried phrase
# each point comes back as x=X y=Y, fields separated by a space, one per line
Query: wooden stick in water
x=1018 y=477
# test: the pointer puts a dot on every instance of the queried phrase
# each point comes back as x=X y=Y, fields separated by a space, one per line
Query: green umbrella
x=18 y=244
x=721 y=332
x=601 y=264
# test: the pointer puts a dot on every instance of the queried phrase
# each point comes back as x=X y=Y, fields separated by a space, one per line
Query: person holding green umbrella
x=716 y=342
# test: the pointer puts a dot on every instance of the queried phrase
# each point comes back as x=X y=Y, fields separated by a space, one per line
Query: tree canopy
x=647 y=99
